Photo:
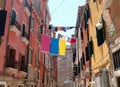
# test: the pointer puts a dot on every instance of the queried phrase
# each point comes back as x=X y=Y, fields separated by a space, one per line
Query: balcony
x=10 y=68
x=22 y=73
x=15 y=26
x=25 y=38
x=27 y=8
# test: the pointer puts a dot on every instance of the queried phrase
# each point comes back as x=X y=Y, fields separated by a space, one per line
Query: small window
x=38 y=74
x=30 y=56
x=38 y=34
x=116 y=59
x=23 y=30
x=32 y=23
x=81 y=34
x=36 y=61
x=14 y=14
x=10 y=61
x=21 y=85
x=41 y=28
x=118 y=81
x=13 y=17
x=22 y=65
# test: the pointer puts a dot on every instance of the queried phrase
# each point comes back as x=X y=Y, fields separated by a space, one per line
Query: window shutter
x=3 y=15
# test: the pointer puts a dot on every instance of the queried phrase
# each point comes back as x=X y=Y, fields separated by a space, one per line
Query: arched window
x=14 y=14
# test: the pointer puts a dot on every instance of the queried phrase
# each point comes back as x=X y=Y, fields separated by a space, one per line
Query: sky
x=64 y=13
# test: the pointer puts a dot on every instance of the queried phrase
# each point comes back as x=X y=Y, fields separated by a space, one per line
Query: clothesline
x=61 y=28
x=67 y=38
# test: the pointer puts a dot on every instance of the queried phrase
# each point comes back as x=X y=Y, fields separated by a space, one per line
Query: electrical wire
x=58 y=7
x=70 y=10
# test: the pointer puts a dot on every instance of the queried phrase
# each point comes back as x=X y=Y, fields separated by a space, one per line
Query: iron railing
x=16 y=24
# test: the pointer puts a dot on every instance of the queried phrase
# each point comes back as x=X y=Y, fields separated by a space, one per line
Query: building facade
x=64 y=69
x=100 y=59
x=96 y=62
x=14 y=44
x=21 y=61
x=111 y=15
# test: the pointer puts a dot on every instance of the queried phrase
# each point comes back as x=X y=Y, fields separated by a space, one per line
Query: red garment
x=59 y=28
x=73 y=40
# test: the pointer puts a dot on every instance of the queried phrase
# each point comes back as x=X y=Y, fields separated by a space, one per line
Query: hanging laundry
x=73 y=40
x=59 y=28
x=62 y=47
x=54 y=46
x=59 y=36
x=54 y=34
x=56 y=29
x=50 y=26
x=64 y=29
x=45 y=43
x=68 y=39
x=63 y=37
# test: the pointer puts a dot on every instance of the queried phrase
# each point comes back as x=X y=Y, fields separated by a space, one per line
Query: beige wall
x=99 y=59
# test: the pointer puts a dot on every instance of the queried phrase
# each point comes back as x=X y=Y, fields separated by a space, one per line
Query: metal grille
x=116 y=60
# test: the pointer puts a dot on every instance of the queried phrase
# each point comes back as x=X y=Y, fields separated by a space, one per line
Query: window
x=41 y=28
x=38 y=74
x=26 y=3
x=38 y=34
x=23 y=30
x=2 y=85
x=82 y=34
x=36 y=61
x=116 y=59
x=30 y=55
x=22 y=66
x=14 y=16
x=118 y=81
x=10 y=61
x=104 y=78
x=32 y=23
x=21 y=85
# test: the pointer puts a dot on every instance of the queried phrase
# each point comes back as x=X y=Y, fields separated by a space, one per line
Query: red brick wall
x=13 y=40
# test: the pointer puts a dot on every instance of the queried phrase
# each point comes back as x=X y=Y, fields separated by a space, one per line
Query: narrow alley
x=59 y=43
